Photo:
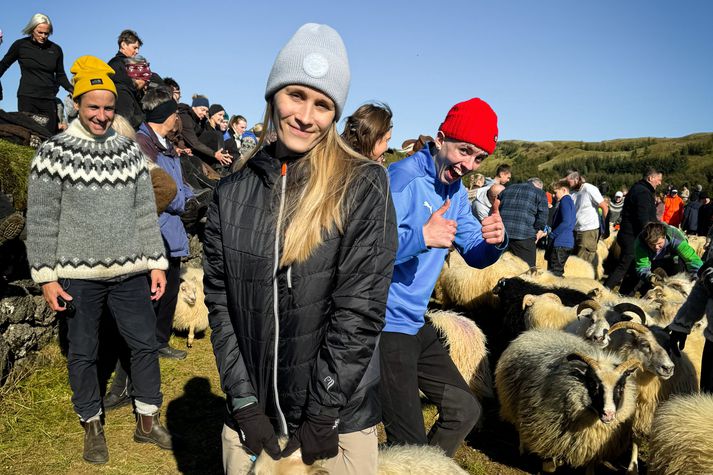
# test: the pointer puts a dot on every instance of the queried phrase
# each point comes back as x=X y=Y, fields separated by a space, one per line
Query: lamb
x=546 y=311
x=574 y=267
x=191 y=312
x=570 y=402
x=396 y=460
x=466 y=345
x=681 y=437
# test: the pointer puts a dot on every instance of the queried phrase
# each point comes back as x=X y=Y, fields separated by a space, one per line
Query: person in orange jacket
x=673 y=209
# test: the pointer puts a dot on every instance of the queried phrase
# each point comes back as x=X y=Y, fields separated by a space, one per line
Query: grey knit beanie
x=316 y=57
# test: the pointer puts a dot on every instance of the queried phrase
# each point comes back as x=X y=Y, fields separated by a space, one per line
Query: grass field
x=40 y=434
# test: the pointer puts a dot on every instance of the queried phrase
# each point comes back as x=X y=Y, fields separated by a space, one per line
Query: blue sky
x=552 y=70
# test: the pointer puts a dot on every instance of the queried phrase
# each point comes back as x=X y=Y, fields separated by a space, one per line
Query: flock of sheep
x=583 y=374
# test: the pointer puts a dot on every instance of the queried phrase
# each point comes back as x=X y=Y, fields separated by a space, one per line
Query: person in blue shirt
x=561 y=237
x=433 y=214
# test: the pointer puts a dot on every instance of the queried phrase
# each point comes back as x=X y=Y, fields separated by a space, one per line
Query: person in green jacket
x=662 y=246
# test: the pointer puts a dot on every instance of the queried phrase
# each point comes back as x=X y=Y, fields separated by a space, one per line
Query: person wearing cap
x=433 y=214
x=212 y=136
x=130 y=92
x=194 y=121
x=299 y=249
x=92 y=239
x=673 y=208
x=41 y=70
x=615 y=207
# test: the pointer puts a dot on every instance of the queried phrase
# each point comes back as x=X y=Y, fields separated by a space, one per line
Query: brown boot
x=95 y=450
x=149 y=429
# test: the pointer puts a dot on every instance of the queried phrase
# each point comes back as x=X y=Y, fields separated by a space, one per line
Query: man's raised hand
x=439 y=231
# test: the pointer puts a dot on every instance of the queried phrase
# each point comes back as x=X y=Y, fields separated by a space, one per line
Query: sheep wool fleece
x=91 y=212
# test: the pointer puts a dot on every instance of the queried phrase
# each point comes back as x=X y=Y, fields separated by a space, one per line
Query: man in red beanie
x=433 y=213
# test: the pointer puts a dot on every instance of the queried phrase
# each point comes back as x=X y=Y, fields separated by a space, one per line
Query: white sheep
x=191 y=312
x=574 y=267
x=570 y=402
x=681 y=436
x=466 y=345
x=394 y=460
x=546 y=311
x=463 y=286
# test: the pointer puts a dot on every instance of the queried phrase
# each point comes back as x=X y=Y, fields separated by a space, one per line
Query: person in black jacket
x=299 y=251
x=41 y=70
x=194 y=122
x=638 y=210
x=129 y=45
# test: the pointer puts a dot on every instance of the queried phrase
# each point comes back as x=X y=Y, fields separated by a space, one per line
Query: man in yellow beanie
x=93 y=237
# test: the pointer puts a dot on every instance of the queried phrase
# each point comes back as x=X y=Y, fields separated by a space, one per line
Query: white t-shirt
x=481 y=204
x=586 y=204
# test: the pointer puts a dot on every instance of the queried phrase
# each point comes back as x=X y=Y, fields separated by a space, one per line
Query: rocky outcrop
x=26 y=325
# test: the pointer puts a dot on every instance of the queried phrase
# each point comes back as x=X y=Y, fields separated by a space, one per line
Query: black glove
x=705 y=275
x=317 y=437
x=678 y=342
x=256 y=432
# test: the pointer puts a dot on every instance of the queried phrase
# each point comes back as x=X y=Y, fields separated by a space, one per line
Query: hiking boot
x=115 y=401
x=11 y=227
x=172 y=353
x=149 y=429
x=95 y=450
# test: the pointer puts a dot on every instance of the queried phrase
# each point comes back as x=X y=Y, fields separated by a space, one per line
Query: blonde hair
x=316 y=203
x=37 y=19
x=122 y=127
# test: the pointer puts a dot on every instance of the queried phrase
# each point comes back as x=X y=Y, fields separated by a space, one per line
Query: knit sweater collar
x=77 y=130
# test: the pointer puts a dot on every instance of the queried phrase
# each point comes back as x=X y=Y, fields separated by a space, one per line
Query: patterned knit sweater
x=91 y=212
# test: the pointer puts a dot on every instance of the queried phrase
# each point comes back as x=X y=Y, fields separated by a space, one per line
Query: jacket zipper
x=275 y=300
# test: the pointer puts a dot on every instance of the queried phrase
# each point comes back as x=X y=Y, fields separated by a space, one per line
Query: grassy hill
x=684 y=161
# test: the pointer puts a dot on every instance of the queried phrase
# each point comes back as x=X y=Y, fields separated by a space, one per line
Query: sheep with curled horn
x=594 y=326
x=570 y=402
x=680 y=442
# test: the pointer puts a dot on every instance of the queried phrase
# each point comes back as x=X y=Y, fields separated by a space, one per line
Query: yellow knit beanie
x=91 y=73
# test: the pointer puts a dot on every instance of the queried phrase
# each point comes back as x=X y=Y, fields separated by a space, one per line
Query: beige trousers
x=357 y=454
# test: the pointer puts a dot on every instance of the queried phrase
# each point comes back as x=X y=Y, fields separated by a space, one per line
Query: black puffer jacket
x=331 y=307
x=639 y=208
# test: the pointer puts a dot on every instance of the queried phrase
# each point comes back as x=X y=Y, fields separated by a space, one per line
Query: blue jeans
x=129 y=302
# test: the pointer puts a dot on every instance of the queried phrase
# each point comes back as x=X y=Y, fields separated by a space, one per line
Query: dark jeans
x=525 y=249
x=626 y=259
x=129 y=303
x=556 y=259
x=707 y=368
x=164 y=309
x=45 y=107
x=413 y=362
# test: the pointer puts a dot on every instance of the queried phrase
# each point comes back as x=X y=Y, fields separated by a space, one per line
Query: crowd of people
x=319 y=263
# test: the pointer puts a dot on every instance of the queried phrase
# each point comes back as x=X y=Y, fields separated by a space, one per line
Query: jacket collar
x=155 y=145
x=77 y=130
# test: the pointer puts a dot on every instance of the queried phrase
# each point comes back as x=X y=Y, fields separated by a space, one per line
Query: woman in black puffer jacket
x=299 y=250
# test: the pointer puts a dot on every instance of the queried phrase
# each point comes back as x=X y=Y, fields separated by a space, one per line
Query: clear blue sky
x=552 y=70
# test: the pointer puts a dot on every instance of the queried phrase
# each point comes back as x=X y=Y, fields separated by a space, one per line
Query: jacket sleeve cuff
x=316 y=409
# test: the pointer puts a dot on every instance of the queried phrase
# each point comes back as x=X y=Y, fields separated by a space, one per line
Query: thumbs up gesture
x=439 y=231
x=493 y=229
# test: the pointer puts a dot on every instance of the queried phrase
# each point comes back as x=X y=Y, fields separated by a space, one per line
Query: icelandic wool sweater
x=91 y=212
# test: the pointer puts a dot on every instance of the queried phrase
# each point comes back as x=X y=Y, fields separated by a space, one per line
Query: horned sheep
x=191 y=312
x=545 y=382
x=395 y=460
x=680 y=442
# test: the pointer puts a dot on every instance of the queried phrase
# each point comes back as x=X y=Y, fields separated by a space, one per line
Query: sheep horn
x=594 y=364
x=631 y=307
x=592 y=304
x=628 y=364
x=594 y=293
x=630 y=326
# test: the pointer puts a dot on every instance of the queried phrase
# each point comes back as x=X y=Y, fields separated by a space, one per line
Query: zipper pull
x=283 y=169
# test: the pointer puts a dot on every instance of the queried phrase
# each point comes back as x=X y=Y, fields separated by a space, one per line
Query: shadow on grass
x=195 y=420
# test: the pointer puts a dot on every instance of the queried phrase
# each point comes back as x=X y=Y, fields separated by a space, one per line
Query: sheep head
x=598 y=331
x=640 y=342
x=187 y=291
x=605 y=386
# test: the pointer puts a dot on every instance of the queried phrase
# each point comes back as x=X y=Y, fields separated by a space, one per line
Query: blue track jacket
x=417 y=193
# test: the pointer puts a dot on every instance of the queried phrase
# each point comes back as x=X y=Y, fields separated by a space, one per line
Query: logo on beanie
x=315 y=65
x=94 y=82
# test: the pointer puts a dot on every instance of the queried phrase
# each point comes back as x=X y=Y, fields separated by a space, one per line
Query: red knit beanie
x=472 y=121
